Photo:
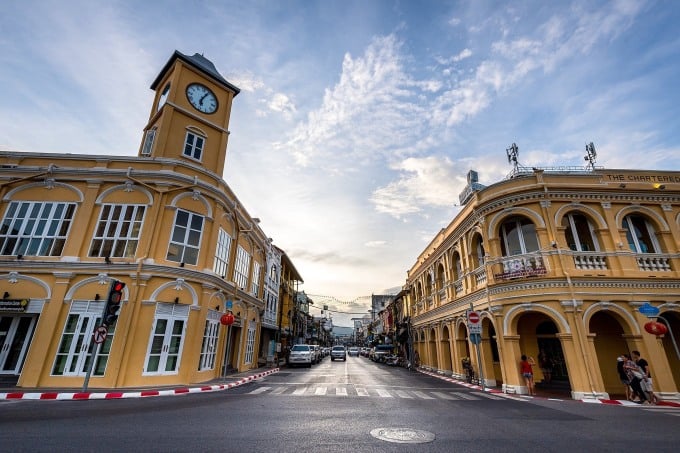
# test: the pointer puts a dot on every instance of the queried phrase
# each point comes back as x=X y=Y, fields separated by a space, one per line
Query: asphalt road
x=353 y=406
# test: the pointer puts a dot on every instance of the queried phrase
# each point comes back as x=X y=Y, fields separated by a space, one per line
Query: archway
x=445 y=347
x=610 y=342
x=462 y=347
x=673 y=320
x=432 y=350
x=539 y=340
x=491 y=357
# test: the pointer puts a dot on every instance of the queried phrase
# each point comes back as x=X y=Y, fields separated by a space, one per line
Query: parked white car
x=301 y=354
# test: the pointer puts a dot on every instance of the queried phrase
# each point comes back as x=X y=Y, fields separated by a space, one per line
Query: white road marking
x=341 y=391
x=361 y=391
x=259 y=390
x=383 y=393
x=403 y=394
x=321 y=390
x=300 y=391
x=444 y=396
x=422 y=395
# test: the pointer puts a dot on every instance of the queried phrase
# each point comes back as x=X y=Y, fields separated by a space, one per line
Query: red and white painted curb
x=140 y=394
x=528 y=397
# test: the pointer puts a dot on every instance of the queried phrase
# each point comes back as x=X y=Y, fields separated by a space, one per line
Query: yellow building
x=165 y=223
x=556 y=262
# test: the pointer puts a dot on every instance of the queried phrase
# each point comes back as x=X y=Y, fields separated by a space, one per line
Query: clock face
x=202 y=98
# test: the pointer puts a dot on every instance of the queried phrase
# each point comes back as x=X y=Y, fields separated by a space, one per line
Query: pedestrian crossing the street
x=352 y=391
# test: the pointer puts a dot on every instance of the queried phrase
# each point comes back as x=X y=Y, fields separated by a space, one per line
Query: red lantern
x=227 y=319
x=656 y=328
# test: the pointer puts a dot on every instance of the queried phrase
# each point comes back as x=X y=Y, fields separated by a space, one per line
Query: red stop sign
x=473 y=317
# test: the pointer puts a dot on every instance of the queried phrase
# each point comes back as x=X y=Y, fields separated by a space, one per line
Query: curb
x=529 y=397
x=72 y=396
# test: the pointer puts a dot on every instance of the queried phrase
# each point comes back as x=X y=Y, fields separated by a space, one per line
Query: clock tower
x=189 y=118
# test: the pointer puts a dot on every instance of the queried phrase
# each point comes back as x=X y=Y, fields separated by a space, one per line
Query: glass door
x=15 y=336
x=165 y=347
x=73 y=355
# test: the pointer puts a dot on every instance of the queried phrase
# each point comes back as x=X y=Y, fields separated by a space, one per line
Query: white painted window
x=186 y=237
x=149 y=138
x=640 y=234
x=579 y=233
x=73 y=355
x=221 y=264
x=255 y=287
x=518 y=236
x=118 y=230
x=35 y=228
x=242 y=268
x=193 y=145
x=164 y=352
x=250 y=343
x=209 y=346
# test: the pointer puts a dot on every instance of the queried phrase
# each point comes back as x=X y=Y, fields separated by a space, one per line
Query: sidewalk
x=544 y=393
x=231 y=381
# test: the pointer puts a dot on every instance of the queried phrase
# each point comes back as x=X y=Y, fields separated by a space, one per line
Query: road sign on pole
x=474 y=324
x=100 y=334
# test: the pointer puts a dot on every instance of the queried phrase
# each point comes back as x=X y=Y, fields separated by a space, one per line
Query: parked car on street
x=301 y=354
x=353 y=351
x=316 y=349
x=381 y=351
x=338 y=352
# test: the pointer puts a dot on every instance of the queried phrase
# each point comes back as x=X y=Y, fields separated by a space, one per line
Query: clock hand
x=202 y=97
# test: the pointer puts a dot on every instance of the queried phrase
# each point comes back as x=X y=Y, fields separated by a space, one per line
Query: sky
x=357 y=121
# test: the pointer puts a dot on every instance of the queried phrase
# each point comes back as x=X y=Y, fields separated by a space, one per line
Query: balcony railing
x=590 y=261
x=458 y=286
x=480 y=276
x=653 y=263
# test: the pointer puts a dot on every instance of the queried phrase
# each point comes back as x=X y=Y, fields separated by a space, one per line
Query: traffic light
x=113 y=303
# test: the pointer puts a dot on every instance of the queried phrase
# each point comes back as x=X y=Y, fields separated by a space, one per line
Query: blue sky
x=358 y=120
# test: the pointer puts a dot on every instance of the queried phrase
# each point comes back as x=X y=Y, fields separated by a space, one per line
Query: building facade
x=165 y=223
x=558 y=263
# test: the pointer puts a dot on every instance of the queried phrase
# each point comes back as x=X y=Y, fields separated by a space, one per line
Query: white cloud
x=429 y=181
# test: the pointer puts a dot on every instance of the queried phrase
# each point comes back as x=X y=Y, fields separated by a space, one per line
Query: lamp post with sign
x=474 y=324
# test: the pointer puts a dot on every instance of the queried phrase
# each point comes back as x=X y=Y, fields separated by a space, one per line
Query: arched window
x=640 y=234
x=518 y=236
x=478 y=247
x=457 y=266
x=579 y=233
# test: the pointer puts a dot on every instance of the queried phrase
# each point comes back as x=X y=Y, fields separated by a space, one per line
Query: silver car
x=301 y=354
x=338 y=352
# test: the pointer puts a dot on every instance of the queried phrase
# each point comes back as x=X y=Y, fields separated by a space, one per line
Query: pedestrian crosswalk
x=373 y=392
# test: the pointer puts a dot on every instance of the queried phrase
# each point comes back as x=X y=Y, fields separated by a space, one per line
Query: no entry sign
x=474 y=326
x=473 y=317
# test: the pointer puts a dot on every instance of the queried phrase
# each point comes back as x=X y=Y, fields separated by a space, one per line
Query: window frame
x=194 y=144
x=189 y=232
x=133 y=222
x=38 y=226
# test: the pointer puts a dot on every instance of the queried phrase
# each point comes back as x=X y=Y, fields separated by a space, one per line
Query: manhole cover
x=403 y=435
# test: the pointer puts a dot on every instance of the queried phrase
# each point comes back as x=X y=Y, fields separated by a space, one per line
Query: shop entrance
x=15 y=336
x=539 y=340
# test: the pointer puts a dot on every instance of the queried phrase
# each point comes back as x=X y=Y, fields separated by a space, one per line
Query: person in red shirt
x=525 y=366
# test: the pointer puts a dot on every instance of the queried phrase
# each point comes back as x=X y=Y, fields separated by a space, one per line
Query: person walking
x=545 y=362
x=646 y=381
x=635 y=375
x=623 y=376
x=527 y=371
